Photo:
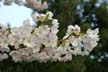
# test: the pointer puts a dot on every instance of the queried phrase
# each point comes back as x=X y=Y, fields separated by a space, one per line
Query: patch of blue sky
x=15 y=15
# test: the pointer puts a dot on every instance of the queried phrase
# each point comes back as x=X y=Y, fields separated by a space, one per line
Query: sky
x=14 y=15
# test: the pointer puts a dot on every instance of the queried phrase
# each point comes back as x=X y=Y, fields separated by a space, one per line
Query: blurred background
x=85 y=13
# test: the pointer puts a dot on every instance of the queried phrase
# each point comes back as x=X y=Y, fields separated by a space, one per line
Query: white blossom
x=8 y=2
x=28 y=43
x=3 y=56
x=50 y=15
x=37 y=4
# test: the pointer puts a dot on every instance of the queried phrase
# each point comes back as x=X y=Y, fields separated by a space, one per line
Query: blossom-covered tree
x=52 y=40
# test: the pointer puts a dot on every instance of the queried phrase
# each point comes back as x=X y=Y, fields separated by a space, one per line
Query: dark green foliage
x=95 y=66
x=72 y=66
x=102 y=15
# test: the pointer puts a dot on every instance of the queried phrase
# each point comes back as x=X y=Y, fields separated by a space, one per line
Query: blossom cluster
x=29 y=43
x=34 y=4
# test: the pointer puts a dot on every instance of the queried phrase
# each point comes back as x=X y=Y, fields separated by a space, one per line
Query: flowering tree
x=87 y=14
x=41 y=43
